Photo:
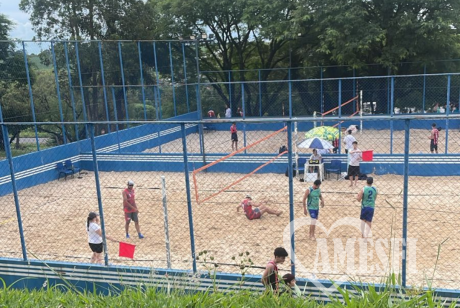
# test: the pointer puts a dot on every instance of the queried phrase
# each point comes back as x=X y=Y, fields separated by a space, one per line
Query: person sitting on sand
x=258 y=211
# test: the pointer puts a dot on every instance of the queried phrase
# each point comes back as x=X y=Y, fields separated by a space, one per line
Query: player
x=434 y=138
x=367 y=197
x=130 y=209
x=311 y=199
x=95 y=237
x=270 y=277
x=356 y=156
x=259 y=210
x=234 y=137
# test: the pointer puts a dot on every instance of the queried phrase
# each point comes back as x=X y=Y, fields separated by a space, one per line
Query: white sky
x=22 y=28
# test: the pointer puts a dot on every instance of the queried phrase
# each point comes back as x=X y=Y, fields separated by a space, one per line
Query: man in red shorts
x=130 y=209
x=259 y=210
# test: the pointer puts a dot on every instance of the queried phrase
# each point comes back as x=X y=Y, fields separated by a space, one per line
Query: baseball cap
x=248 y=196
x=130 y=182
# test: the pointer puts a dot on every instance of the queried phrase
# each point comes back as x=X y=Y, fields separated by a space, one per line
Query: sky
x=22 y=28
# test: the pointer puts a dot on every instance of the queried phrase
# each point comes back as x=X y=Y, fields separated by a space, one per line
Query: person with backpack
x=311 y=201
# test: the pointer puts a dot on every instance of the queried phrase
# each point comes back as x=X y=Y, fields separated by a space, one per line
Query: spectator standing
x=434 y=138
x=353 y=169
x=228 y=112
x=348 y=141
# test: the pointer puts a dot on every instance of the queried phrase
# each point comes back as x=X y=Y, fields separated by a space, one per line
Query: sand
x=54 y=216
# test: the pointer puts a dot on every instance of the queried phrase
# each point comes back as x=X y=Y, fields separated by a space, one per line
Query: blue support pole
x=99 y=45
x=392 y=101
x=142 y=78
x=229 y=89
x=157 y=118
x=9 y=157
x=388 y=93
x=424 y=89
x=56 y=77
x=158 y=80
x=405 y=200
x=354 y=89
x=189 y=198
x=260 y=96
x=32 y=106
x=321 y=91
x=185 y=77
x=198 y=93
x=82 y=93
x=340 y=97
x=123 y=82
x=291 y=197
x=244 y=116
x=172 y=79
x=200 y=127
x=72 y=99
x=98 y=193
x=116 y=114
x=290 y=94
x=447 y=113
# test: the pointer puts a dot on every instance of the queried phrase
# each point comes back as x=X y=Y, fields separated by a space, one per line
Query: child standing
x=270 y=276
x=95 y=237
x=311 y=198
x=234 y=137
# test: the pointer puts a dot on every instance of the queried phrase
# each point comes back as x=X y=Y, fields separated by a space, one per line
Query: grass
x=25 y=148
x=65 y=295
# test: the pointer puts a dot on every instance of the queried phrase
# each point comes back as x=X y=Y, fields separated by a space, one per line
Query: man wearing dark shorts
x=130 y=209
x=367 y=196
x=234 y=133
x=434 y=139
x=258 y=210
x=353 y=168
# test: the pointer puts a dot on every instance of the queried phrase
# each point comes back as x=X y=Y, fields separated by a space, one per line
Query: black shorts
x=433 y=146
x=131 y=216
x=96 y=247
x=234 y=137
x=353 y=170
x=346 y=151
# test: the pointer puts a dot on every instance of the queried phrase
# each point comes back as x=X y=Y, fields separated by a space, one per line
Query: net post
x=165 y=213
x=296 y=153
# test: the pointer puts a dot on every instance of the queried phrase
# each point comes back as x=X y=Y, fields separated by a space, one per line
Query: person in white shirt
x=348 y=141
x=228 y=112
x=95 y=237
x=353 y=169
x=315 y=156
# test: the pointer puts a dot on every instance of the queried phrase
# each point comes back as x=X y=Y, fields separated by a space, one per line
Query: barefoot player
x=311 y=199
x=367 y=197
x=258 y=211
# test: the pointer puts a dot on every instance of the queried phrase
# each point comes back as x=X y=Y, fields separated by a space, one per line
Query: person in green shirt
x=367 y=197
x=311 y=199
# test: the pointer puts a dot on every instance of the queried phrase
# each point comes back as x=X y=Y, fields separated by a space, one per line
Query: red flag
x=126 y=250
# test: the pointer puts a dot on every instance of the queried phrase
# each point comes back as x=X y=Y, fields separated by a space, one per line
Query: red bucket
x=368 y=155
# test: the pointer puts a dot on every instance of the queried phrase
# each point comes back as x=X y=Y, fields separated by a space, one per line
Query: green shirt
x=313 y=198
x=369 y=195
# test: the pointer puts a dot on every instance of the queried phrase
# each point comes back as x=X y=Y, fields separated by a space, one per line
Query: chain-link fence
x=413 y=232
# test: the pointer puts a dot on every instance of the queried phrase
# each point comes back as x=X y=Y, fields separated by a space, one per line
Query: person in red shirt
x=130 y=209
x=258 y=211
x=234 y=137
x=434 y=138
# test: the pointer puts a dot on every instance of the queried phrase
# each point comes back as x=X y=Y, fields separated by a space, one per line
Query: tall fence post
x=260 y=96
x=58 y=90
x=189 y=198
x=291 y=197
x=9 y=157
x=447 y=113
x=405 y=200
x=229 y=90
x=290 y=94
x=98 y=193
x=424 y=89
x=165 y=214
x=123 y=82
x=392 y=105
x=340 y=97
x=321 y=91
x=72 y=98
x=172 y=79
x=82 y=92
x=139 y=52
x=104 y=90
x=157 y=76
x=185 y=77
x=244 y=116
x=31 y=97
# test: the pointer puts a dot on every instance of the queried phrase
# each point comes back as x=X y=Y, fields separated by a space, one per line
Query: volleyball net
x=209 y=186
